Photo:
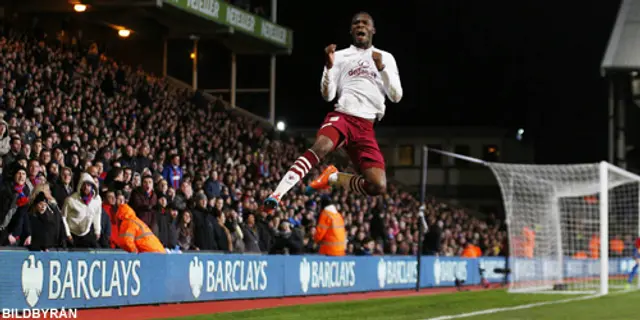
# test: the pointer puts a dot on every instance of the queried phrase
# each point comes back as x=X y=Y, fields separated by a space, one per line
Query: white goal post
x=561 y=218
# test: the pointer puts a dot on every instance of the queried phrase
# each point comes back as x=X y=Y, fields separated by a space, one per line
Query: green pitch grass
x=616 y=306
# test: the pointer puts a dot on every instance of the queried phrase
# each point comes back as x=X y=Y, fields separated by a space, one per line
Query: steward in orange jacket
x=472 y=251
x=330 y=232
x=135 y=236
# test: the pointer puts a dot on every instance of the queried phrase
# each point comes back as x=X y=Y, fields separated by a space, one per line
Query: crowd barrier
x=88 y=280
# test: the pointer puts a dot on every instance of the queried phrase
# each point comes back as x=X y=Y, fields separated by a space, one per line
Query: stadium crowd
x=82 y=134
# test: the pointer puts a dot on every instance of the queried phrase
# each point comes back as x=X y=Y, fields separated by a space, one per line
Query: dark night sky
x=531 y=64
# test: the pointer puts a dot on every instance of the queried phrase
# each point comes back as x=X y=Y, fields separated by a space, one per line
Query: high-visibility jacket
x=616 y=246
x=580 y=255
x=529 y=242
x=135 y=236
x=594 y=247
x=472 y=251
x=330 y=232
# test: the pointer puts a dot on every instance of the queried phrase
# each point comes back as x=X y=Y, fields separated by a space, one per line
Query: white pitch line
x=520 y=307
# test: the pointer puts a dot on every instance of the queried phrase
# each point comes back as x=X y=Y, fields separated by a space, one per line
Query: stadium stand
x=191 y=170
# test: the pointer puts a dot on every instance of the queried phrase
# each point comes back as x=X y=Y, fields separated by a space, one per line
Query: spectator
x=135 y=236
x=174 y=222
x=250 y=235
x=13 y=211
x=233 y=226
x=5 y=140
x=53 y=172
x=46 y=229
x=186 y=232
x=33 y=171
x=367 y=248
x=183 y=196
x=287 y=241
x=173 y=172
x=311 y=246
x=63 y=187
x=223 y=240
x=432 y=239
x=144 y=202
x=82 y=212
x=15 y=151
x=265 y=232
x=115 y=180
x=104 y=240
x=109 y=206
x=213 y=185
x=204 y=224
x=164 y=223
x=129 y=158
x=142 y=160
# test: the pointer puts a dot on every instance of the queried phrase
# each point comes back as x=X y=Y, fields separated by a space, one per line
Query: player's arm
x=329 y=83
x=329 y=86
x=391 y=78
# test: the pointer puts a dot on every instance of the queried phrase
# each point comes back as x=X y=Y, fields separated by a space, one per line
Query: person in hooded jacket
x=82 y=213
x=5 y=140
x=45 y=226
x=135 y=235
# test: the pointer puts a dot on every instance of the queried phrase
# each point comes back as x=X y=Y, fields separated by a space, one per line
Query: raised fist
x=377 y=59
x=329 y=52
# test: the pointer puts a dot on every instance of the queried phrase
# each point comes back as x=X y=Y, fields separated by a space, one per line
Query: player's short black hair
x=363 y=13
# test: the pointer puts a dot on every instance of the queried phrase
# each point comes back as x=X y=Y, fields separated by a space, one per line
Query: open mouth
x=361 y=34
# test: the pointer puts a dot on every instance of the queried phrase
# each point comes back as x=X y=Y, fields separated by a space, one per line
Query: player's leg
x=372 y=182
x=366 y=155
x=328 y=138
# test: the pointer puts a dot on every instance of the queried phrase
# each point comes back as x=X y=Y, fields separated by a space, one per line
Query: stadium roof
x=239 y=30
x=623 y=51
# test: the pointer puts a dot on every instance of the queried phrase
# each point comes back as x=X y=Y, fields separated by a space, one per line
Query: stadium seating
x=74 y=108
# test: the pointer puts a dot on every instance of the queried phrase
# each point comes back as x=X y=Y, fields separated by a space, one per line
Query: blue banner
x=85 y=280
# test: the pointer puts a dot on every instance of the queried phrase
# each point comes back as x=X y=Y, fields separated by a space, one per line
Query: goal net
x=572 y=228
x=562 y=218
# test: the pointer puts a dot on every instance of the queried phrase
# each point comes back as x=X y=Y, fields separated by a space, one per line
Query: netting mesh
x=553 y=214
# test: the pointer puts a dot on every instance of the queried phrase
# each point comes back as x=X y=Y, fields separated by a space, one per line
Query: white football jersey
x=360 y=87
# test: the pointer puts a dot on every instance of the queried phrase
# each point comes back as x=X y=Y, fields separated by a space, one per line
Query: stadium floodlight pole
x=422 y=226
x=272 y=78
x=165 y=58
x=234 y=80
x=194 y=80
